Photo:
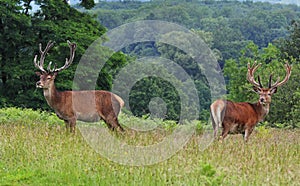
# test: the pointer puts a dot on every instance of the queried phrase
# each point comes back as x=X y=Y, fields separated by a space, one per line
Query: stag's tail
x=120 y=100
x=216 y=115
x=121 y=103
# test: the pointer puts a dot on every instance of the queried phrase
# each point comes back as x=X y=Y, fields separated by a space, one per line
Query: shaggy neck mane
x=52 y=95
x=261 y=109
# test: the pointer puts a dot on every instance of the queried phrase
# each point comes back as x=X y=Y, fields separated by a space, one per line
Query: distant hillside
x=74 y=2
x=229 y=25
x=296 y=2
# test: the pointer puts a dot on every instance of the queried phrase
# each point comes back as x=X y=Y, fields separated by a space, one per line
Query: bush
x=28 y=117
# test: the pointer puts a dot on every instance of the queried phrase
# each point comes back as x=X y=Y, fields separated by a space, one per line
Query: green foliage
x=27 y=117
x=263 y=131
x=14 y=26
x=150 y=88
x=231 y=23
x=88 y=4
x=200 y=127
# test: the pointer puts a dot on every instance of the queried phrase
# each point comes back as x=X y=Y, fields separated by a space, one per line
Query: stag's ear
x=38 y=73
x=256 y=89
x=273 y=90
x=54 y=74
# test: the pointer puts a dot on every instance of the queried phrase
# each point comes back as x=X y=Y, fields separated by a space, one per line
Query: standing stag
x=242 y=117
x=88 y=106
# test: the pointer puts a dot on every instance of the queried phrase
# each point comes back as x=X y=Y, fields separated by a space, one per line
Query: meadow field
x=36 y=150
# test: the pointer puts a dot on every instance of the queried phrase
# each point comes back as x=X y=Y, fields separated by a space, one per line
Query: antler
x=250 y=74
x=288 y=69
x=40 y=64
x=68 y=61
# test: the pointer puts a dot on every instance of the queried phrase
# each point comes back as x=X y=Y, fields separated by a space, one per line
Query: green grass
x=36 y=150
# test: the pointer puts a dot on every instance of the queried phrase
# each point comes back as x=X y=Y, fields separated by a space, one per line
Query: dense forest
x=229 y=24
x=236 y=32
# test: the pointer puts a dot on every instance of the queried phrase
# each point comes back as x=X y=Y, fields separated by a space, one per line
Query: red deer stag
x=242 y=117
x=88 y=106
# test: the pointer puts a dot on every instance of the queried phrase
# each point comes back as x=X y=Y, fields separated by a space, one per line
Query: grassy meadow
x=36 y=150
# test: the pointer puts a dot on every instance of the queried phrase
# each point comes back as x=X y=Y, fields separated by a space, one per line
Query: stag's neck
x=262 y=110
x=52 y=96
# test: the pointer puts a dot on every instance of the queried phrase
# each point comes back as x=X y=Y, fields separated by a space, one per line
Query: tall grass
x=36 y=150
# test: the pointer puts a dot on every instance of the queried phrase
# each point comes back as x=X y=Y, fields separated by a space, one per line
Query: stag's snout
x=39 y=84
x=265 y=101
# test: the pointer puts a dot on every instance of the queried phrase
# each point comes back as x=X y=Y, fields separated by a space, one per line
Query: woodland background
x=237 y=32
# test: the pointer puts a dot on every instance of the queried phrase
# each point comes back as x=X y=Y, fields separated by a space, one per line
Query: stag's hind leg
x=112 y=117
x=113 y=121
x=216 y=113
x=215 y=126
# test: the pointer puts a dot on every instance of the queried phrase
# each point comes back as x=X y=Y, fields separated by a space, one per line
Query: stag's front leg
x=67 y=124
x=70 y=125
x=248 y=131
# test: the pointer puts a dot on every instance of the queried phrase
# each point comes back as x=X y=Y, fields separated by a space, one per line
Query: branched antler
x=40 y=64
x=251 y=70
x=250 y=74
x=288 y=69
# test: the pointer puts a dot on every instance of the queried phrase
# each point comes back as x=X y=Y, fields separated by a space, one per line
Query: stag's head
x=47 y=76
x=265 y=94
